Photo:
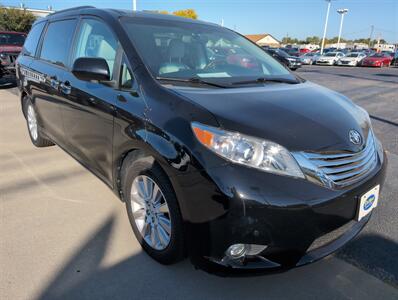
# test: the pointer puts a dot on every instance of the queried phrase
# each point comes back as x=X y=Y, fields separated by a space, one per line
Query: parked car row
x=294 y=59
x=382 y=59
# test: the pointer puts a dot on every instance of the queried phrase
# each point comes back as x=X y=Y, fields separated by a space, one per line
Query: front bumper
x=347 y=63
x=325 y=62
x=7 y=69
x=297 y=220
x=371 y=64
x=306 y=61
x=294 y=65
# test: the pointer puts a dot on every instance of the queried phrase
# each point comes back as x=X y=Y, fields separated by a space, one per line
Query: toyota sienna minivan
x=219 y=152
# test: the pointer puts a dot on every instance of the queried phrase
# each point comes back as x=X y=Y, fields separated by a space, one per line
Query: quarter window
x=57 y=42
x=29 y=48
x=95 y=39
x=126 y=78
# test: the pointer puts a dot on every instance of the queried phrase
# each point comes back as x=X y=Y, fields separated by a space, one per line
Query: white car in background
x=330 y=58
x=352 y=59
x=309 y=58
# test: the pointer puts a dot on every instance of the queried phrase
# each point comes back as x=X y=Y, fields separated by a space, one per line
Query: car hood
x=301 y=117
x=327 y=58
x=10 y=48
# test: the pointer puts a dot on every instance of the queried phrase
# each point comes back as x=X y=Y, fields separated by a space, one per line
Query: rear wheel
x=34 y=130
x=152 y=209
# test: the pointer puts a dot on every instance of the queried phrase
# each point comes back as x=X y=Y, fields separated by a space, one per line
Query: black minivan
x=218 y=151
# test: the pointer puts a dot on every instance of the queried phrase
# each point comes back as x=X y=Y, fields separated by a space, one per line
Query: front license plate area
x=368 y=202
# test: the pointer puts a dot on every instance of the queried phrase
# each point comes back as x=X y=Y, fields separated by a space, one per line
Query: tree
x=289 y=40
x=12 y=19
x=313 y=40
x=186 y=13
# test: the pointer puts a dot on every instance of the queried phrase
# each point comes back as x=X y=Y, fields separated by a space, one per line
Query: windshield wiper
x=265 y=80
x=195 y=80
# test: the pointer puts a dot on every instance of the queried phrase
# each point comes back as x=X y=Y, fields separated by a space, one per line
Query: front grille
x=346 y=168
x=331 y=236
x=10 y=58
x=13 y=58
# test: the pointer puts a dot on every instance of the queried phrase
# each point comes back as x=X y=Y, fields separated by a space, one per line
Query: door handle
x=66 y=88
x=92 y=100
x=121 y=98
x=54 y=83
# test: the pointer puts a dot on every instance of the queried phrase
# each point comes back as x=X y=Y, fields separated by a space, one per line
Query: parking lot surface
x=64 y=235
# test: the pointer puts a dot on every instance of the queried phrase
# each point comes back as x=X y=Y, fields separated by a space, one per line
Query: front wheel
x=153 y=209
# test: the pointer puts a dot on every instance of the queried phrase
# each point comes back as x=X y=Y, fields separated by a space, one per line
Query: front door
x=89 y=107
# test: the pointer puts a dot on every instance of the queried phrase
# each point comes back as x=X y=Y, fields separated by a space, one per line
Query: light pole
x=342 y=12
x=134 y=5
x=326 y=25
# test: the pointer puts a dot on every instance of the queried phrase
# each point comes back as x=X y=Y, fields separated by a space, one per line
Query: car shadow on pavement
x=386 y=75
x=139 y=277
x=374 y=254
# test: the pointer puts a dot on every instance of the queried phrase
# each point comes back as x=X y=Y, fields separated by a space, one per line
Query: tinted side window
x=30 y=46
x=95 y=39
x=57 y=42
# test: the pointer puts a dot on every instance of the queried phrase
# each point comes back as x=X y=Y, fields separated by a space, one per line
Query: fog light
x=236 y=251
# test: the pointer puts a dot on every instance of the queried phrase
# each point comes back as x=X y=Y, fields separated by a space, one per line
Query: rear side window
x=30 y=46
x=57 y=42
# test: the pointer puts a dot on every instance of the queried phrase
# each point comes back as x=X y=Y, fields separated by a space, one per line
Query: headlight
x=2 y=55
x=248 y=151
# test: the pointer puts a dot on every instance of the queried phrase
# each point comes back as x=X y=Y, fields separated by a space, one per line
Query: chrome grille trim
x=339 y=169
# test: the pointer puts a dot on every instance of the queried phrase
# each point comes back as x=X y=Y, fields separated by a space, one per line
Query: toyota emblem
x=355 y=137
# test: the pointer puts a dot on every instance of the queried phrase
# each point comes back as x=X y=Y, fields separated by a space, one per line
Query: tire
x=36 y=136
x=136 y=168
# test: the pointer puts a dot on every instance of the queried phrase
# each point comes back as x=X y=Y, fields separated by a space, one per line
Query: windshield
x=331 y=54
x=185 y=50
x=377 y=55
x=12 y=39
x=353 y=55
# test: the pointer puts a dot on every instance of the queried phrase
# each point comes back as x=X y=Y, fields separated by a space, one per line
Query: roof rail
x=71 y=9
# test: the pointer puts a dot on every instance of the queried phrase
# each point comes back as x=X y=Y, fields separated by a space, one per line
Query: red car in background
x=377 y=60
x=304 y=50
x=10 y=46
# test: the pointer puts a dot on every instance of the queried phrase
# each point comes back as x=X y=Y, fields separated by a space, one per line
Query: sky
x=295 y=18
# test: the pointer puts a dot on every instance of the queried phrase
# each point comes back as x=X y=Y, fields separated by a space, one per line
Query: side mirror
x=91 y=68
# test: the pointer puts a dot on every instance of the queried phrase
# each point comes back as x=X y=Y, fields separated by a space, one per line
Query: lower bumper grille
x=331 y=236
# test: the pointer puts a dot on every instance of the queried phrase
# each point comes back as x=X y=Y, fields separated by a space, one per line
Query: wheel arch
x=24 y=94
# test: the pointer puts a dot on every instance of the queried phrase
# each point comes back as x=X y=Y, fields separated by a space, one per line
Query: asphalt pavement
x=64 y=235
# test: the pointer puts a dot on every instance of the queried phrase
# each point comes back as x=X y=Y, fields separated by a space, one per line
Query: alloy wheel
x=32 y=122
x=150 y=212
